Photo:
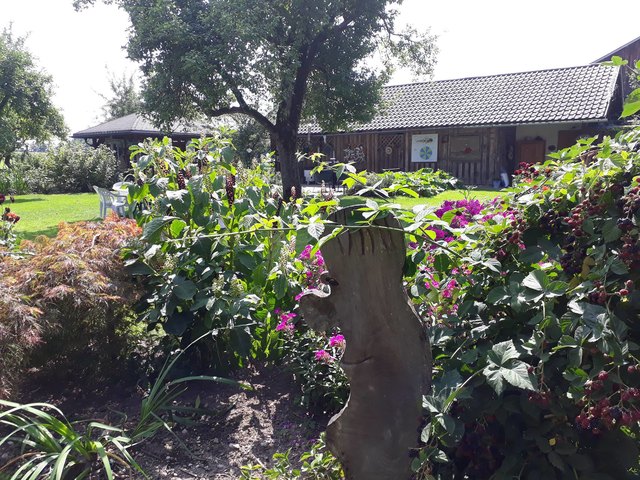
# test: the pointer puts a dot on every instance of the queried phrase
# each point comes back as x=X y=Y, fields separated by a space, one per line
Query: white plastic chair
x=110 y=201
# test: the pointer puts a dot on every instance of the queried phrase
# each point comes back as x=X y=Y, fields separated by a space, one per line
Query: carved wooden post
x=387 y=358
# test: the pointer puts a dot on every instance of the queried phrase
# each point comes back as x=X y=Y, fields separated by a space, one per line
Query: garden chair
x=110 y=201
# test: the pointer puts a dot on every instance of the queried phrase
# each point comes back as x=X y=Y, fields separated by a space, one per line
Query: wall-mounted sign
x=424 y=148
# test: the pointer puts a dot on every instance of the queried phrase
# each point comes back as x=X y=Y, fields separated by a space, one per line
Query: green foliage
x=54 y=448
x=26 y=110
x=423 y=183
x=123 y=99
x=12 y=181
x=71 y=167
x=324 y=386
x=219 y=248
x=273 y=61
x=532 y=305
x=316 y=464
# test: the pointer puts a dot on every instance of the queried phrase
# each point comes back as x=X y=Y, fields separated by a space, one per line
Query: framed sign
x=424 y=148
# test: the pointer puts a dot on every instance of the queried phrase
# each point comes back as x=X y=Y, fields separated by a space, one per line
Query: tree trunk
x=286 y=149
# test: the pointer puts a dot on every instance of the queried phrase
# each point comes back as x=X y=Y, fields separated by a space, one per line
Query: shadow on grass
x=25 y=200
x=51 y=231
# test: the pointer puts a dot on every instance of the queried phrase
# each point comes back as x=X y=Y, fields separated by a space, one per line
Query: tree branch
x=248 y=111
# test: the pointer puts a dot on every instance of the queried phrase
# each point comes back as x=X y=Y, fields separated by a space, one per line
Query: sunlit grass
x=41 y=214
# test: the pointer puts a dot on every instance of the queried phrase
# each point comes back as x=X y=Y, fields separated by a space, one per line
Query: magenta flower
x=337 y=341
x=306 y=253
x=323 y=356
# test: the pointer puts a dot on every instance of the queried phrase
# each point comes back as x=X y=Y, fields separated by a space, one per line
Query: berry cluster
x=630 y=252
x=182 y=184
x=529 y=171
x=602 y=413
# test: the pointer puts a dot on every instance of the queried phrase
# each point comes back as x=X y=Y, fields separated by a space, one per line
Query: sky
x=81 y=49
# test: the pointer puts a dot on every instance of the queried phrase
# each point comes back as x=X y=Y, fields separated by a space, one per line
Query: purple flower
x=319 y=259
x=337 y=341
x=412 y=245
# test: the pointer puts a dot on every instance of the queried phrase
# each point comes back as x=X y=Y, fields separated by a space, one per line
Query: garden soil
x=248 y=428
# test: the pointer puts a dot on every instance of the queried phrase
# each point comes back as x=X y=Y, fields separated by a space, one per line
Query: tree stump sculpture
x=387 y=357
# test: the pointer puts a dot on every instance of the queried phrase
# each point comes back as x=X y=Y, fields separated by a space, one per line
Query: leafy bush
x=425 y=182
x=219 y=248
x=71 y=167
x=68 y=296
x=532 y=305
x=12 y=181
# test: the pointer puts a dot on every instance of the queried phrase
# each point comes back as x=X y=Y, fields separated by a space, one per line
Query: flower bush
x=218 y=252
x=532 y=306
x=71 y=167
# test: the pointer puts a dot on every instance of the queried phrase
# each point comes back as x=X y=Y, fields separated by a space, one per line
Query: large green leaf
x=151 y=231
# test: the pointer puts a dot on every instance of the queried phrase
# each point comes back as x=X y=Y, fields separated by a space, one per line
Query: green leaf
x=630 y=108
x=502 y=352
x=178 y=323
x=536 y=280
x=176 y=228
x=184 y=289
x=316 y=229
x=151 y=231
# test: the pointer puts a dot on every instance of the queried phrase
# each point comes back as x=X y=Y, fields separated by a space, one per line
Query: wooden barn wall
x=474 y=155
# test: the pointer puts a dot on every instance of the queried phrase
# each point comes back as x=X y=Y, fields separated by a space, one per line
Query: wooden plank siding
x=478 y=164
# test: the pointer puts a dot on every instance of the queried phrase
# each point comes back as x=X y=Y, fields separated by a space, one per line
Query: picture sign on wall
x=424 y=148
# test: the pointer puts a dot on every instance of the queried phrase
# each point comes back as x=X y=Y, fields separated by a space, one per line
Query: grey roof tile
x=562 y=94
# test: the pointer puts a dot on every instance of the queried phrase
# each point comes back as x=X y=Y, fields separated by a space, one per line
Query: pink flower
x=319 y=259
x=323 y=356
x=337 y=341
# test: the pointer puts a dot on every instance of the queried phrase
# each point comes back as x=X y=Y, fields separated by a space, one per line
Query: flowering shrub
x=65 y=298
x=218 y=252
x=532 y=311
x=7 y=222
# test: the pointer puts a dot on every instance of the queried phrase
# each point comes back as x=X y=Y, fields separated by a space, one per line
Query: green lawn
x=41 y=214
x=408 y=202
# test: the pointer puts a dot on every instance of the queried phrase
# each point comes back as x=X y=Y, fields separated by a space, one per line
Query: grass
x=409 y=203
x=41 y=214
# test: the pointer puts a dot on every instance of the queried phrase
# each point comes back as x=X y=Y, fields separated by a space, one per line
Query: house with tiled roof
x=477 y=128
x=121 y=133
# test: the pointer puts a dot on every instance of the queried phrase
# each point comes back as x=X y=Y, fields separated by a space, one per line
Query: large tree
x=26 y=109
x=123 y=99
x=276 y=61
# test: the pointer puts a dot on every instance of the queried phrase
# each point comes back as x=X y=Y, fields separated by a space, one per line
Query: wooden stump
x=387 y=357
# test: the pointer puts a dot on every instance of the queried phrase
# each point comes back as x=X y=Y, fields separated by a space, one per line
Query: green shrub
x=71 y=167
x=425 y=182
x=12 y=181
x=316 y=464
